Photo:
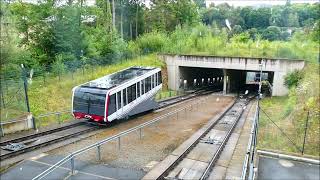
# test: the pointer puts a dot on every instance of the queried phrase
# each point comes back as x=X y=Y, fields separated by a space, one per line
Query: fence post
x=1 y=129
x=44 y=78
x=25 y=85
x=2 y=98
x=305 y=133
x=140 y=133
x=119 y=144
x=99 y=153
x=58 y=117
x=72 y=165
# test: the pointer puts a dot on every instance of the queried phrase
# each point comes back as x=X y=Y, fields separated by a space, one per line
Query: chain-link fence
x=13 y=100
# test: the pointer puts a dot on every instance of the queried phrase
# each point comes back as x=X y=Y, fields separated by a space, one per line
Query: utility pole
x=259 y=92
x=25 y=85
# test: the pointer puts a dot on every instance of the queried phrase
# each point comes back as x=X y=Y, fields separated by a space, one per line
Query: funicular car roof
x=118 y=78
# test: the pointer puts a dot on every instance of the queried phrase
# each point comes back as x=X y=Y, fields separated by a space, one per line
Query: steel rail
x=46 y=143
x=31 y=136
x=218 y=152
x=71 y=156
x=194 y=143
x=216 y=155
x=166 y=103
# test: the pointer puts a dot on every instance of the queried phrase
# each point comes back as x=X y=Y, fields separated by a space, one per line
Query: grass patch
x=270 y=136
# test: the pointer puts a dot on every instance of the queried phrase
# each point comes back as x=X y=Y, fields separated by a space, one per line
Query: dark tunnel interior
x=237 y=81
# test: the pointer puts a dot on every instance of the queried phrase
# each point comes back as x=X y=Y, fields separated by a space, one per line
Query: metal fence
x=70 y=158
x=53 y=118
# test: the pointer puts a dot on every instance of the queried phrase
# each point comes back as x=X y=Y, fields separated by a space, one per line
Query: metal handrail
x=52 y=113
x=250 y=150
x=99 y=143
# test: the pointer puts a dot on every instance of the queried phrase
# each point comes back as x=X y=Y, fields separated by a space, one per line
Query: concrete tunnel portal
x=228 y=80
x=233 y=74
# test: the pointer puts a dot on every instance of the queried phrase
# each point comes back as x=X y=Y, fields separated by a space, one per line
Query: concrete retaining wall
x=13 y=126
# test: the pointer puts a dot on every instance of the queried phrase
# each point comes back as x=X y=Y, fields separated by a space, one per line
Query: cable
x=281 y=130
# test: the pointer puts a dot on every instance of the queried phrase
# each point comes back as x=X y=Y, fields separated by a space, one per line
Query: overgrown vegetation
x=291 y=112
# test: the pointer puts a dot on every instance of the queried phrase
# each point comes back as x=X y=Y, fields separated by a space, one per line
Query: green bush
x=152 y=42
x=271 y=33
x=292 y=79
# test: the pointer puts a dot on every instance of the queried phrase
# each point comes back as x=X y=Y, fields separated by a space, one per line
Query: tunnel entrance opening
x=226 y=80
x=193 y=78
x=253 y=79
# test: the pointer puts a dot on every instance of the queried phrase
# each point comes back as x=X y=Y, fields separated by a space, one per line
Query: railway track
x=14 y=147
x=174 y=100
x=197 y=159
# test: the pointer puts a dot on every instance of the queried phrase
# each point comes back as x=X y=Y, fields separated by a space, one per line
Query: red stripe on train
x=79 y=115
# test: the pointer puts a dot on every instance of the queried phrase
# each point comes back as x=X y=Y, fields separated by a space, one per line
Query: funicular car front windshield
x=89 y=103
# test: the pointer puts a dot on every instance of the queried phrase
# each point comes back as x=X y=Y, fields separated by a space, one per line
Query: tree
x=293 y=20
x=67 y=34
x=253 y=32
x=200 y=3
x=259 y=18
x=237 y=29
x=34 y=22
x=271 y=33
x=165 y=15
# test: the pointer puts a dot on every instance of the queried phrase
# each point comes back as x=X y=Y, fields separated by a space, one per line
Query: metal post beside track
x=119 y=144
x=72 y=165
x=1 y=130
x=140 y=133
x=58 y=117
x=99 y=153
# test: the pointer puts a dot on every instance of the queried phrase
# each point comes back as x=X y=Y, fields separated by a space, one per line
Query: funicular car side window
x=112 y=104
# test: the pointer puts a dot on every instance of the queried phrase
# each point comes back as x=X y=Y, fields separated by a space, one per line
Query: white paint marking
x=90 y=174
x=38 y=156
x=285 y=163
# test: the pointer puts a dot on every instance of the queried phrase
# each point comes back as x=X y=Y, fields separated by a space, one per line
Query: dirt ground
x=158 y=140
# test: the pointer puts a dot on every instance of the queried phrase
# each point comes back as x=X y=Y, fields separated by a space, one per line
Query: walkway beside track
x=31 y=167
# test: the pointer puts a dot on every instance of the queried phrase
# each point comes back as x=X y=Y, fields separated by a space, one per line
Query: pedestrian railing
x=249 y=162
x=70 y=158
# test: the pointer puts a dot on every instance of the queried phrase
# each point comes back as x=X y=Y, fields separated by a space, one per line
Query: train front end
x=89 y=103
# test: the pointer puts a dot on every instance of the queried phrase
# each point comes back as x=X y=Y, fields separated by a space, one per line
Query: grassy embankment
x=55 y=94
x=290 y=114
